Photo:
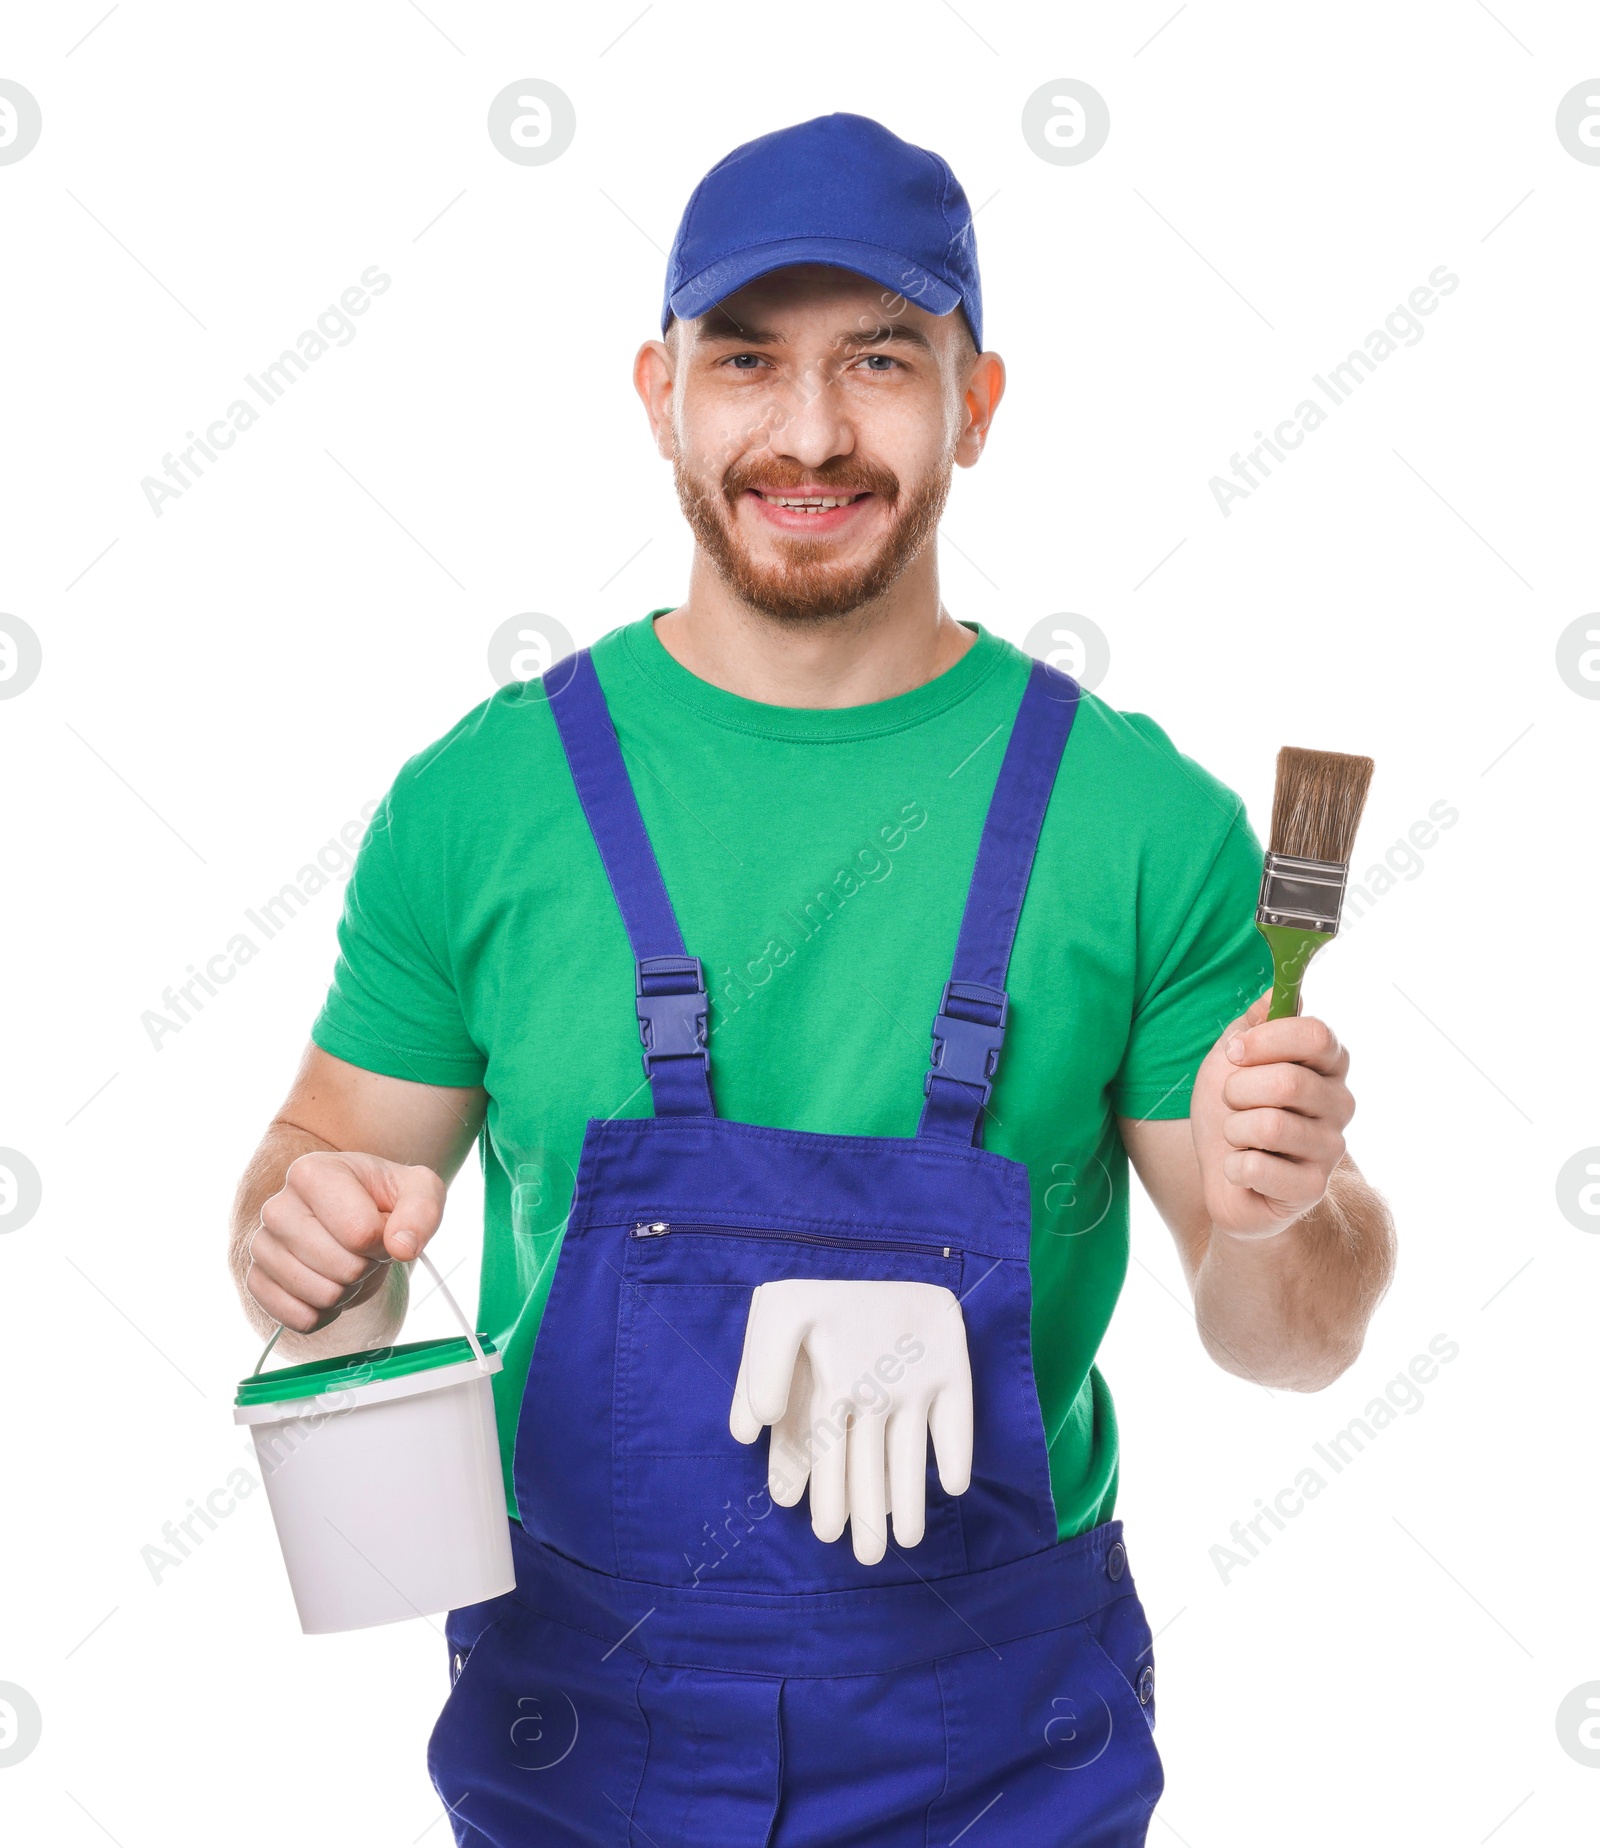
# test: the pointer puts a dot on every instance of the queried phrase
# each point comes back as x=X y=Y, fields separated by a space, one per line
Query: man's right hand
x=327 y=1236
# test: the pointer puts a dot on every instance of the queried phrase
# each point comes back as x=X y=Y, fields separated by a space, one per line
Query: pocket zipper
x=658 y=1228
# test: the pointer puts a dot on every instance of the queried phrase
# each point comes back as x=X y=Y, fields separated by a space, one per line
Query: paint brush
x=1316 y=809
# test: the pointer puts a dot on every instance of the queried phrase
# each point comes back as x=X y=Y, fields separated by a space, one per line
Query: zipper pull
x=650 y=1229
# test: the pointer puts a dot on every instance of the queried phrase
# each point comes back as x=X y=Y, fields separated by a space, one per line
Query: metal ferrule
x=1304 y=894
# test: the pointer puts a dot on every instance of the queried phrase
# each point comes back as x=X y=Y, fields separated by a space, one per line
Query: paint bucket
x=383 y=1473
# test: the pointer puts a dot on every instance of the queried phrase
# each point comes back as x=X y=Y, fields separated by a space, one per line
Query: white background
x=229 y=683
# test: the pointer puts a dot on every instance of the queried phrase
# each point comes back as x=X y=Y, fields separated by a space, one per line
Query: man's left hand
x=1268 y=1116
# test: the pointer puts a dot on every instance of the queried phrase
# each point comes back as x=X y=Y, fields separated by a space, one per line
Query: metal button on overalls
x=683 y=1661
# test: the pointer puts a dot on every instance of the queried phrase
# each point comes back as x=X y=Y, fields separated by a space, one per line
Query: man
x=815 y=780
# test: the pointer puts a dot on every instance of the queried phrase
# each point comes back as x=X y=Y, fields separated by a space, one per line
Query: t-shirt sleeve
x=1214 y=966
x=393 y=1006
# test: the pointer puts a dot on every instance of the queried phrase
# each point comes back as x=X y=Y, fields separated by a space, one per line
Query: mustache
x=839 y=475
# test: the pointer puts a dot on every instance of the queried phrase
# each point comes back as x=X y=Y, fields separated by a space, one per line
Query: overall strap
x=971 y=1023
x=669 y=986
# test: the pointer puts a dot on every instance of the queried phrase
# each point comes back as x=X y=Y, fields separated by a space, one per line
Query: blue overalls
x=682 y=1660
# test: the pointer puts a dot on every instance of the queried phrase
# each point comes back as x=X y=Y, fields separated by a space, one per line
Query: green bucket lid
x=340 y=1371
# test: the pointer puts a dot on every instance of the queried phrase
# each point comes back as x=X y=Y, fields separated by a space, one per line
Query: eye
x=744 y=362
x=878 y=362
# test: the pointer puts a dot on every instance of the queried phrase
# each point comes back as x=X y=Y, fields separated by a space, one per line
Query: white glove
x=850 y=1374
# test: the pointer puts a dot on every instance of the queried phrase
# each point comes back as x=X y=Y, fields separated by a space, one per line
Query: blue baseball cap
x=839 y=190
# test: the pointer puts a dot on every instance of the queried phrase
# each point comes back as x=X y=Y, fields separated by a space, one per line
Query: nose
x=812 y=427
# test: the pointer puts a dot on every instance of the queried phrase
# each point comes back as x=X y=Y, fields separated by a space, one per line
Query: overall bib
x=682 y=1661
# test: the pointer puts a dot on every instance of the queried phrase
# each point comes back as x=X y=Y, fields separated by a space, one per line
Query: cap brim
x=889 y=268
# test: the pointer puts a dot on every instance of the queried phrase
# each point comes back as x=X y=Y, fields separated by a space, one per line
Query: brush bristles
x=1316 y=807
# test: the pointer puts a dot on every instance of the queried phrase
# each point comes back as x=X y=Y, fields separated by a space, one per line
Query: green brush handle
x=1291 y=950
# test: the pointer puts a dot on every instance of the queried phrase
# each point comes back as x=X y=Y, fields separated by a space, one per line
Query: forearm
x=1291 y=1311
x=374 y=1315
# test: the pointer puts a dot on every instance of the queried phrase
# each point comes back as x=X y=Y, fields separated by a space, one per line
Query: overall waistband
x=870 y=1630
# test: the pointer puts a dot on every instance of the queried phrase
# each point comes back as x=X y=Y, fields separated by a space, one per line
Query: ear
x=986 y=384
x=652 y=379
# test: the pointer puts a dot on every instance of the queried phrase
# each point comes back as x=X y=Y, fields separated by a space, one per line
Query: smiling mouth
x=809 y=503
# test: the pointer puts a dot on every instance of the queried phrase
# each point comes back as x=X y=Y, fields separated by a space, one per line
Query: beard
x=807 y=584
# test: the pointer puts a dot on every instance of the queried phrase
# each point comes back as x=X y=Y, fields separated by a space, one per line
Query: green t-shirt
x=818 y=862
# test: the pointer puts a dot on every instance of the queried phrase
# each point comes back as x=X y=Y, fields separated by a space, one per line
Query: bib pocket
x=694 y=1501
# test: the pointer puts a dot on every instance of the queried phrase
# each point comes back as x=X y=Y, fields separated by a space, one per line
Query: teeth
x=816 y=503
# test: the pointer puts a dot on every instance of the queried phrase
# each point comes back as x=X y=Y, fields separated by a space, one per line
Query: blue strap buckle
x=671 y=1002
x=966 y=1045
